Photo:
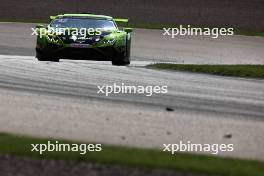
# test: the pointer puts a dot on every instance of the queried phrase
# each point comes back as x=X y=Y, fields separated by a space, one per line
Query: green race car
x=84 y=36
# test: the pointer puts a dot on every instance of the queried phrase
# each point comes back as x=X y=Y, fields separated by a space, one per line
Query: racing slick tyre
x=124 y=58
x=121 y=61
x=48 y=59
x=42 y=57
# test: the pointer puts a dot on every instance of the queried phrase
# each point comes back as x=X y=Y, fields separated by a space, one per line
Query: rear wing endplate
x=121 y=21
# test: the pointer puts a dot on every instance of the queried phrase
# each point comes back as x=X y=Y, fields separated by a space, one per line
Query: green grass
x=139 y=25
x=140 y=158
x=249 y=33
x=247 y=71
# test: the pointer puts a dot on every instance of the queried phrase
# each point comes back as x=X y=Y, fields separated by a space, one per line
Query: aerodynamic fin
x=121 y=21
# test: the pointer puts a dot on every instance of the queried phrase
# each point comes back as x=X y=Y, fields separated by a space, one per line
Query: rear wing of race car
x=121 y=22
x=52 y=17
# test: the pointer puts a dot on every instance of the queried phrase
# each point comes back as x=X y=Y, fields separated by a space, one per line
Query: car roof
x=88 y=15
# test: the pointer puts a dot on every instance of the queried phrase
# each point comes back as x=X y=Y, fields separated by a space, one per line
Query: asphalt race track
x=60 y=100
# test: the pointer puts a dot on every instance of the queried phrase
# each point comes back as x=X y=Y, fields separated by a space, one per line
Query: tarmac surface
x=61 y=100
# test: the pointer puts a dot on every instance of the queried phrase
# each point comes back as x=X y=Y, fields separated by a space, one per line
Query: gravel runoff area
x=21 y=166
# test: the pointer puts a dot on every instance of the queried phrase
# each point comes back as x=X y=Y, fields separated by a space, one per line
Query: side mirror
x=128 y=30
x=39 y=26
